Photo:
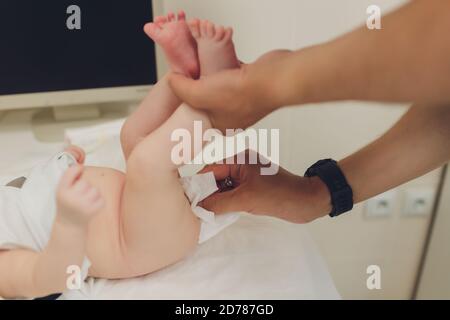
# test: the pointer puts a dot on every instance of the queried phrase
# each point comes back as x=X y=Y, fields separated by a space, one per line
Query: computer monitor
x=74 y=52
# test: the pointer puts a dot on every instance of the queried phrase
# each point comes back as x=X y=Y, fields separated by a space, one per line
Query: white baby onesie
x=27 y=214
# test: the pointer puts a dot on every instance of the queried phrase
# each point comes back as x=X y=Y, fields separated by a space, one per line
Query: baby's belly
x=108 y=181
x=103 y=243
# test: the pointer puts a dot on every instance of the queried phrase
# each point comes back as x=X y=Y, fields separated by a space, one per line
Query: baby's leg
x=158 y=225
x=216 y=51
x=181 y=50
x=157 y=222
x=156 y=108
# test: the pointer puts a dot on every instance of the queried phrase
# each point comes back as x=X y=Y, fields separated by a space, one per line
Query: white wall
x=352 y=242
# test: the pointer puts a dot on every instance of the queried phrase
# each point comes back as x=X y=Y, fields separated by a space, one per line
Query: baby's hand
x=77 y=153
x=77 y=200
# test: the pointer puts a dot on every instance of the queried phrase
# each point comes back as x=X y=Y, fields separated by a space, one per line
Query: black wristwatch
x=341 y=193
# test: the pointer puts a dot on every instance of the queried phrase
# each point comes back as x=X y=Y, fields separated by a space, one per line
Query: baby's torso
x=110 y=183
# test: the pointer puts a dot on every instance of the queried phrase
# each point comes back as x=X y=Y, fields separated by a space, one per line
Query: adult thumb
x=223 y=202
x=186 y=89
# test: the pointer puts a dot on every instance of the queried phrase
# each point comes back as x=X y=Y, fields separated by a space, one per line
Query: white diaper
x=27 y=214
x=198 y=188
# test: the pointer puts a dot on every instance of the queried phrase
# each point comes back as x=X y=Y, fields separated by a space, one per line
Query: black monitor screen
x=50 y=45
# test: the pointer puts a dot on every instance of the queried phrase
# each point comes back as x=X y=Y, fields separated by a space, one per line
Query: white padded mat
x=256 y=258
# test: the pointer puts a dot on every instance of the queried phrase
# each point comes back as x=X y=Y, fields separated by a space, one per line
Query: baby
x=130 y=224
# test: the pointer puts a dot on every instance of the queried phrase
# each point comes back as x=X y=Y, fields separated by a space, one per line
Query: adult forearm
x=417 y=144
x=408 y=60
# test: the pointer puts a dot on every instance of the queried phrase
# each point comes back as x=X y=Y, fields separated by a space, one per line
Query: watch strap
x=340 y=191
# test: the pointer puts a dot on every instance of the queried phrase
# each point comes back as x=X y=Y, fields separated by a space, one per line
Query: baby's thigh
x=162 y=148
x=159 y=227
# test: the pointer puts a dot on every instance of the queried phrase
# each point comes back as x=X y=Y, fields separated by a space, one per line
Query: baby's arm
x=29 y=274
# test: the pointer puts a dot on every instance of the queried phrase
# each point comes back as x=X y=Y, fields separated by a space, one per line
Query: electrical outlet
x=419 y=202
x=381 y=205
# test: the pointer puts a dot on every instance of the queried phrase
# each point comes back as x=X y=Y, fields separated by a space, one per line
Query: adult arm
x=407 y=61
x=417 y=144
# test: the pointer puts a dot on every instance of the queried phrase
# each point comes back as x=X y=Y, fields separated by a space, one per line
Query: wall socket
x=381 y=205
x=419 y=201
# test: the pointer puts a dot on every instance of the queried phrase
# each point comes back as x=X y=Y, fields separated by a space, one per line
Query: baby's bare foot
x=215 y=47
x=173 y=35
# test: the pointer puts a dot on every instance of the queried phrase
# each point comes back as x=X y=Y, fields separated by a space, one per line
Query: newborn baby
x=129 y=224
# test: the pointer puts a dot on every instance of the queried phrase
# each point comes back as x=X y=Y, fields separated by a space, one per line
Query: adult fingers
x=221 y=171
x=224 y=202
x=193 y=92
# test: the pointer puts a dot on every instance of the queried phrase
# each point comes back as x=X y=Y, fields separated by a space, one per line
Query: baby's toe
x=204 y=28
x=171 y=17
x=160 y=20
x=194 y=26
x=228 y=34
x=181 y=16
x=153 y=31
x=210 y=30
x=220 y=33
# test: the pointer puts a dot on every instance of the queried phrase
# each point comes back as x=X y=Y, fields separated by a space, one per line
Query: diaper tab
x=198 y=188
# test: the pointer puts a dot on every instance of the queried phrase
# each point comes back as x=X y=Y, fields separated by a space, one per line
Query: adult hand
x=284 y=195
x=237 y=99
